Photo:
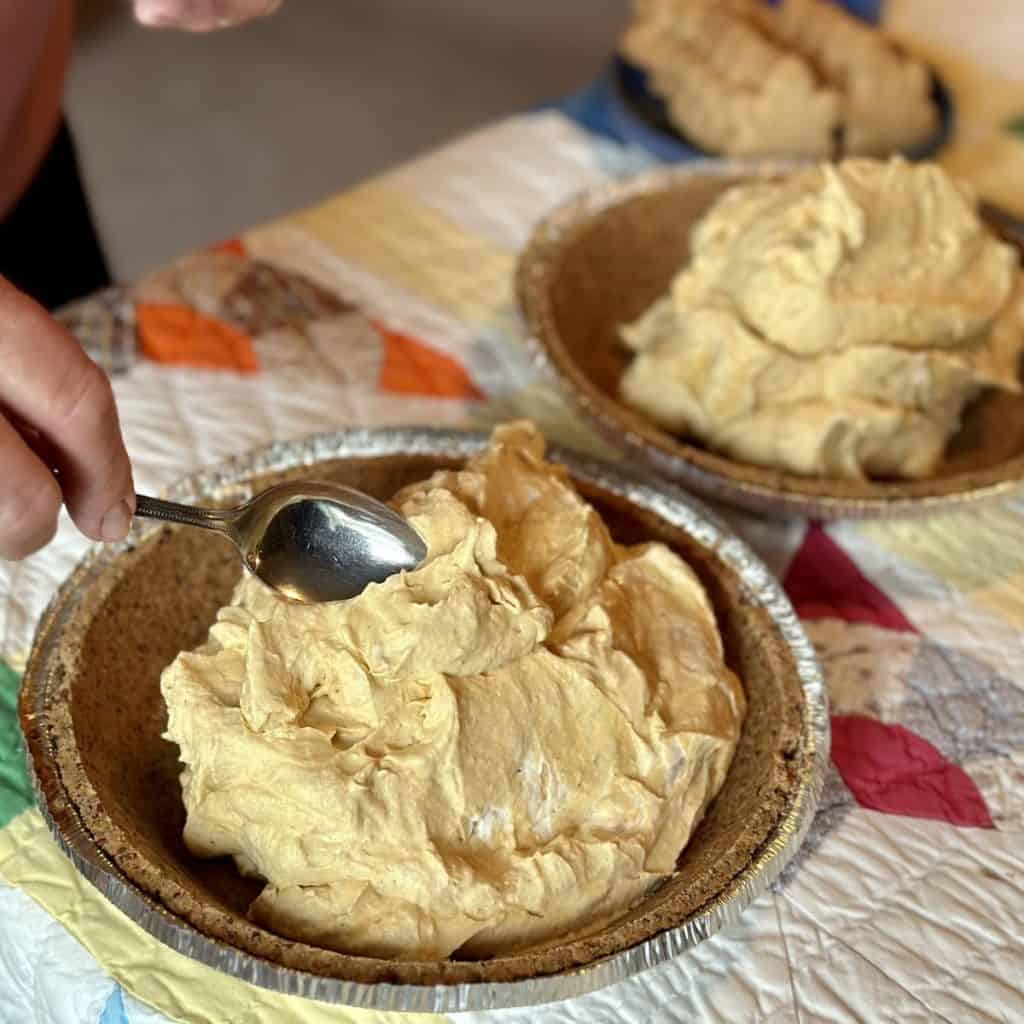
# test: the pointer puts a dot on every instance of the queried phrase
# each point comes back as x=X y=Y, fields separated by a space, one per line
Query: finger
x=48 y=382
x=45 y=452
x=201 y=15
x=29 y=499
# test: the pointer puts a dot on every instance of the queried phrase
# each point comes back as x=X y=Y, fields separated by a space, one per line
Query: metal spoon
x=310 y=541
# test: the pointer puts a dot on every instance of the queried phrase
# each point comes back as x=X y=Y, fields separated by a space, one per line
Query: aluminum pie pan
x=68 y=825
x=609 y=251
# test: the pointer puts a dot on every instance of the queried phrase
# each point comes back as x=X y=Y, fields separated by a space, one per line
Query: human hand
x=60 y=442
x=201 y=15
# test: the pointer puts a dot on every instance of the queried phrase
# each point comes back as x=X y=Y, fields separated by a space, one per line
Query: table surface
x=392 y=304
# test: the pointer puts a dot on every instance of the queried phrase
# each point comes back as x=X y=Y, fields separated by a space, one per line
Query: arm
x=35 y=39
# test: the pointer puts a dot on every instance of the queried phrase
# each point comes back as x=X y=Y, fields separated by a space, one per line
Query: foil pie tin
x=43 y=705
x=599 y=260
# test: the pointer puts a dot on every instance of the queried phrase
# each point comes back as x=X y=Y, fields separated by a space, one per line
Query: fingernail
x=116 y=522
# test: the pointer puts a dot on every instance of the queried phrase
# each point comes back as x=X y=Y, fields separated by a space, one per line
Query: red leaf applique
x=888 y=768
x=823 y=582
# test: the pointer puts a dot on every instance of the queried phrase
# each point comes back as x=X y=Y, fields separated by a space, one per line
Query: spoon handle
x=208 y=518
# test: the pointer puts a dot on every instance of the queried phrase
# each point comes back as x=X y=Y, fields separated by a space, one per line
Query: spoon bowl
x=310 y=541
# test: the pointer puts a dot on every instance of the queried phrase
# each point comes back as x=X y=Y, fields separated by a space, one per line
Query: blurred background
x=187 y=139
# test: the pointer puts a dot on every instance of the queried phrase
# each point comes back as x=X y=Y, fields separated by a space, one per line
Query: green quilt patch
x=1017 y=126
x=15 y=791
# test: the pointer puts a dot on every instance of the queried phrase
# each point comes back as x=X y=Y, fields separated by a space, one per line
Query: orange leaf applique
x=231 y=246
x=180 y=336
x=411 y=368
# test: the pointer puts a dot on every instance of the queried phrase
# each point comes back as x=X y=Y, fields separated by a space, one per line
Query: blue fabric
x=113 y=1012
x=600 y=109
x=866 y=10
x=589 y=107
